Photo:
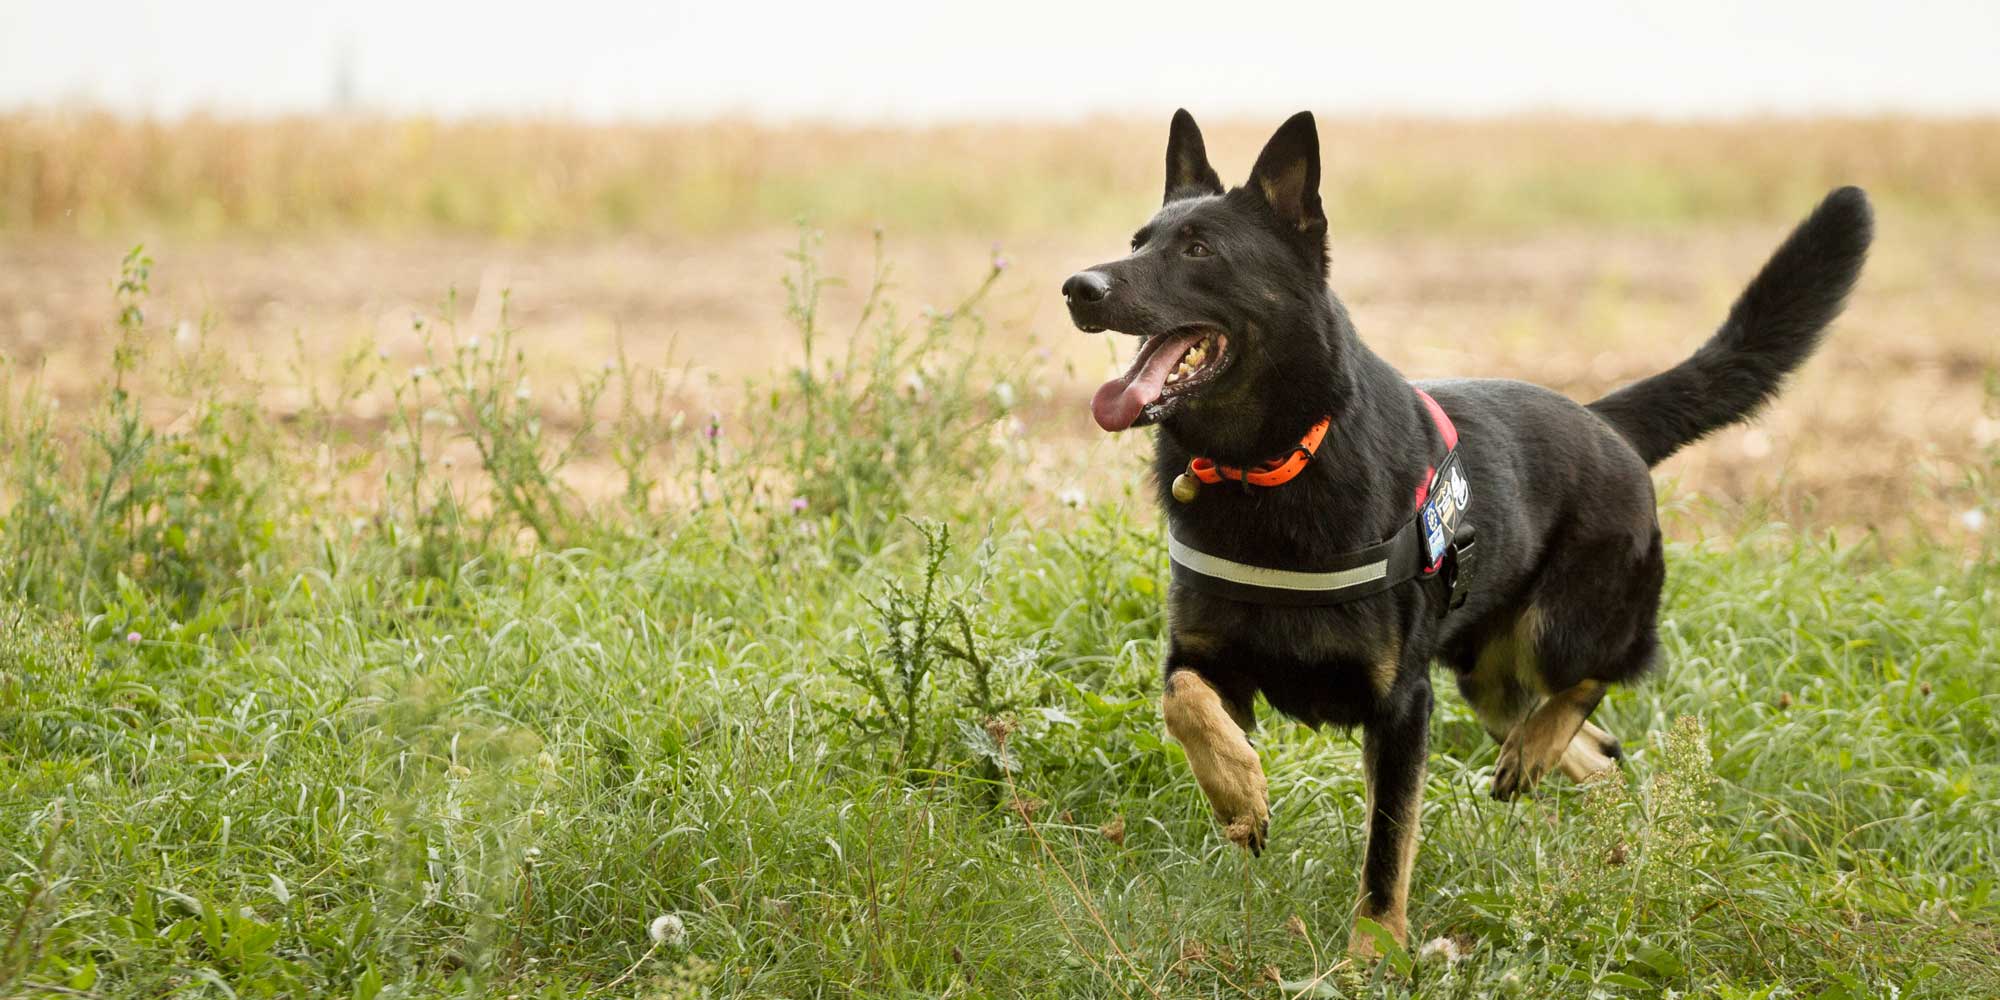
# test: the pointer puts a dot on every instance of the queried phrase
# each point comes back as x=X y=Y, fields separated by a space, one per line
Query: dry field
x=1574 y=254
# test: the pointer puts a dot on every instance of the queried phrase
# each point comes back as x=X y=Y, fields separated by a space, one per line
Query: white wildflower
x=1071 y=497
x=1441 y=949
x=1973 y=520
x=667 y=929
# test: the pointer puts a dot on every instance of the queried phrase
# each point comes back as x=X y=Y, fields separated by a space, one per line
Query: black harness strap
x=1436 y=543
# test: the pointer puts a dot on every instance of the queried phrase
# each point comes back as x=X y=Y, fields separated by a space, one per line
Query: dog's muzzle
x=1084 y=292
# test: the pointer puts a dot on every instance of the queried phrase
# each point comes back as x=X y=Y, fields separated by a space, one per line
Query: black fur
x=1569 y=548
x=1771 y=330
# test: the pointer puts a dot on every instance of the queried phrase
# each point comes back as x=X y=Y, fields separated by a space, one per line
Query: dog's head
x=1225 y=290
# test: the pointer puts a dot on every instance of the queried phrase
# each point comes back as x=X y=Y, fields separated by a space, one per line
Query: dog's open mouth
x=1169 y=366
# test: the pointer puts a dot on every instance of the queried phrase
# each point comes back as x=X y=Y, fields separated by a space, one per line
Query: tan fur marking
x=1538 y=743
x=1597 y=733
x=1285 y=190
x=1509 y=686
x=1202 y=643
x=1395 y=917
x=1382 y=673
x=1225 y=765
x=1585 y=760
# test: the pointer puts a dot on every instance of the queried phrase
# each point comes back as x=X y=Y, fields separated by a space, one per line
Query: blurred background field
x=599 y=501
x=1576 y=252
x=95 y=174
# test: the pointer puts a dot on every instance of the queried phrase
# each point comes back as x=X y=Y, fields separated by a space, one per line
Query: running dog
x=1334 y=529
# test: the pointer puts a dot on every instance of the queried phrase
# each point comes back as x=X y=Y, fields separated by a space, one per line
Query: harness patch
x=1444 y=508
x=1434 y=545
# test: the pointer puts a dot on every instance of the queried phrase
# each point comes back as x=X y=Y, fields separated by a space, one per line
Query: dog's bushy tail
x=1771 y=330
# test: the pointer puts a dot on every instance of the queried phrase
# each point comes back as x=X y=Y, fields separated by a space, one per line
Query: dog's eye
x=1198 y=249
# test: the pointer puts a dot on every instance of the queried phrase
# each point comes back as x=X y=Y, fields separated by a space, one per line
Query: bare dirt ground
x=1892 y=427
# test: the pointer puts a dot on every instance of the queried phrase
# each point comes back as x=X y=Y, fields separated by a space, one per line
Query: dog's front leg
x=1218 y=750
x=1393 y=757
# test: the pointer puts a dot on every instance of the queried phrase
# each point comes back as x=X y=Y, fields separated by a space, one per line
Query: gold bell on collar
x=1186 y=487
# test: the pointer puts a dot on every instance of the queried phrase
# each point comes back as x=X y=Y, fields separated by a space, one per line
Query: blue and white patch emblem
x=1444 y=508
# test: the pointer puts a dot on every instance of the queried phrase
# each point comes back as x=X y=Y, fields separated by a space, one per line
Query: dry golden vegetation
x=1574 y=253
x=96 y=175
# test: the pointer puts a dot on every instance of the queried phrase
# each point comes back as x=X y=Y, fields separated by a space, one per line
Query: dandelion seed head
x=667 y=929
x=1441 y=949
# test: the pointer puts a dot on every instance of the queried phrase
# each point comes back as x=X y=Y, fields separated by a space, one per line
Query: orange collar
x=1276 y=472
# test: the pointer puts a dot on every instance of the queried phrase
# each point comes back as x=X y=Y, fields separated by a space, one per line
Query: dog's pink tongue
x=1118 y=402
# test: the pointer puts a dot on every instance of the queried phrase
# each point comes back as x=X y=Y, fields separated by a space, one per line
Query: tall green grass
x=858 y=723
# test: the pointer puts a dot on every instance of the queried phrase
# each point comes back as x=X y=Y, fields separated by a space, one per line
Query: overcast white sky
x=1024 y=58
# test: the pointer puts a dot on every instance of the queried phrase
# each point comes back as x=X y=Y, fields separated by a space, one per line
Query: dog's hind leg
x=1595 y=613
x=1502 y=684
x=1393 y=759
x=1544 y=738
x=1225 y=765
x=1592 y=753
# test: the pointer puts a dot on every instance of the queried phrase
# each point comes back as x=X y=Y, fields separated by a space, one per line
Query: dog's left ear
x=1287 y=175
x=1188 y=172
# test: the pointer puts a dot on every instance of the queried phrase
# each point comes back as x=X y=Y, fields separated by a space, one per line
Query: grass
x=863 y=721
x=96 y=174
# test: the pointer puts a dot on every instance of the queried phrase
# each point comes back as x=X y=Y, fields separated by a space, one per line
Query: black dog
x=1303 y=569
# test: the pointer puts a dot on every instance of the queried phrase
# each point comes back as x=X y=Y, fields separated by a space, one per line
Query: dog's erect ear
x=1188 y=172
x=1287 y=175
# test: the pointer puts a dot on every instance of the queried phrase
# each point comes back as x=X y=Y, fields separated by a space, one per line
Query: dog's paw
x=1517 y=770
x=1364 y=950
x=1243 y=808
x=1249 y=831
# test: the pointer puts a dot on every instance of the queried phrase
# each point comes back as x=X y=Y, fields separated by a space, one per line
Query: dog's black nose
x=1087 y=286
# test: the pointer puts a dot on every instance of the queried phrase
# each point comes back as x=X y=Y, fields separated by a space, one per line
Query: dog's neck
x=1357 y=490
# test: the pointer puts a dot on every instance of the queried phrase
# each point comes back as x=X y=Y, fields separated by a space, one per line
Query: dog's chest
x=1332 y=665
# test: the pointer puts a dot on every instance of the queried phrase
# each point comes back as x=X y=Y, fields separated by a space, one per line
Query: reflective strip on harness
x=1417 y=550
x=1275 y=579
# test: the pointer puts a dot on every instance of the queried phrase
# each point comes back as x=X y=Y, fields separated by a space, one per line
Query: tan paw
x=1362 y=947
x=1523 y=763
x=1247 y=821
